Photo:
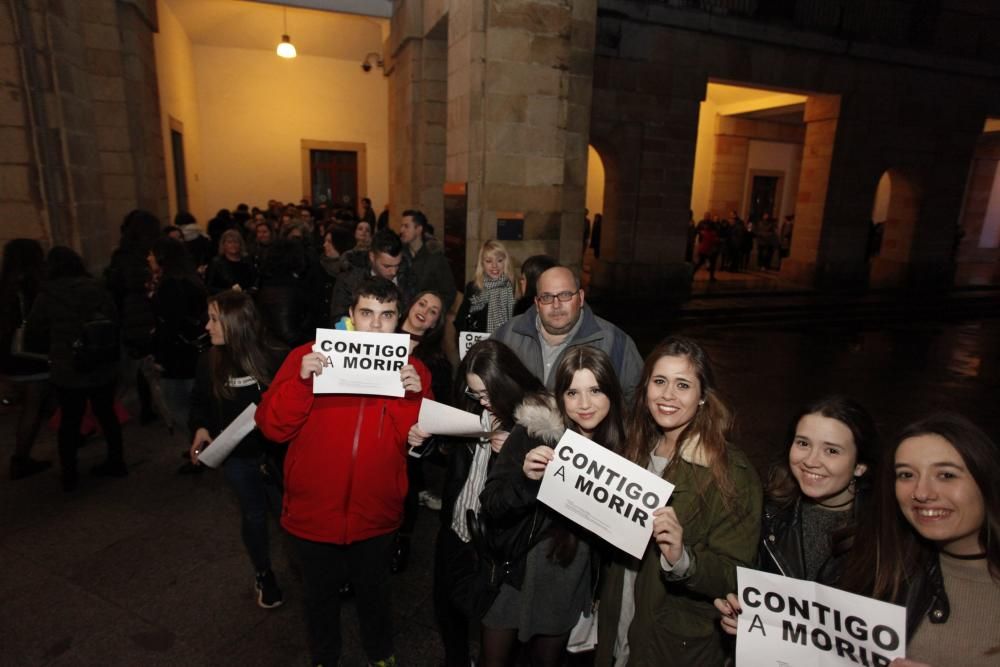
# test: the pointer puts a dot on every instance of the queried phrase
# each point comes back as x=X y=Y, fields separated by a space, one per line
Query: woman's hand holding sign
x=730 y=609
x=536 y=460
x=669 y=534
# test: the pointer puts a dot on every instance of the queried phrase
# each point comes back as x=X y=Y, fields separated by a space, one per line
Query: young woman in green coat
x=659 y=610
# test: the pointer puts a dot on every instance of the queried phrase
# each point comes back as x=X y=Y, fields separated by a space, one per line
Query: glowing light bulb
x=286 y=49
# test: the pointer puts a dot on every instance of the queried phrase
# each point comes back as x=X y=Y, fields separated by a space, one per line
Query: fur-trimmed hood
x=540 y=418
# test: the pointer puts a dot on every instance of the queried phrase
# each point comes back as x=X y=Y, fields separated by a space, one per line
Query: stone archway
x=897 y=203
x=594 y=234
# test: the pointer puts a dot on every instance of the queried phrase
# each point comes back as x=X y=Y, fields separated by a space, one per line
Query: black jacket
x=781 y=550
x=214 y=414
x=926 y=597
x=514 y=519
x=181 y=311
x=58 y=316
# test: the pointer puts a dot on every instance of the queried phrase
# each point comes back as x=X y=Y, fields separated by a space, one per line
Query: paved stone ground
x=150 y=570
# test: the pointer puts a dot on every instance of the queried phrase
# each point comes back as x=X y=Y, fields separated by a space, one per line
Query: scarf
x=499 y=296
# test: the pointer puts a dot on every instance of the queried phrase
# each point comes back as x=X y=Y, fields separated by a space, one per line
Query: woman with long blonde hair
x=488 y=300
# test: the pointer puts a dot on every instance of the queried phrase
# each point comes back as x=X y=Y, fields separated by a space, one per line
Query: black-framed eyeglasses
x=562 y=296
x=476 y=395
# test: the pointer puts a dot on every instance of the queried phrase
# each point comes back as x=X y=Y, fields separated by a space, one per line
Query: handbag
x=18 y=347
x=497 y=555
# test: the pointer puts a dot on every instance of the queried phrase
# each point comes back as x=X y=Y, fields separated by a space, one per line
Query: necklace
x=837 y=507
x=978 y=556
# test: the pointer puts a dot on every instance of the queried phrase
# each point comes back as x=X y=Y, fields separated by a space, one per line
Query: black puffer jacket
x=514 y=519
x=58 y=315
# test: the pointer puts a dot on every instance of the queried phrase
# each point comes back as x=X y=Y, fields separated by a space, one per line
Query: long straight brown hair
x=888 y=552
x=711 y=424
x=247 y=349
x=610 y=432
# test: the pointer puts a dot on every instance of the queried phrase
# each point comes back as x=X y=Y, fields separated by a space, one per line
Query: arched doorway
x=595 y=207
x=894 y=218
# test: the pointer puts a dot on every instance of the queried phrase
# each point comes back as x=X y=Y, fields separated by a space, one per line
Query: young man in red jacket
x=345 y=481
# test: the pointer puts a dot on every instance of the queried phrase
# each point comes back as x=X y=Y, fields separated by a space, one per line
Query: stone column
x=91 y=112
x=519 y=93
x=645 y=128
x=821 y=117
x=417 y=71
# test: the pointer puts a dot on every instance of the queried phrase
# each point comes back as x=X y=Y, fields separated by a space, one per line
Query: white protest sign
x=440 y=419
x=467 y=339
x=358 y=362
x=789 y=621
x=603 y=492
x=216 y=452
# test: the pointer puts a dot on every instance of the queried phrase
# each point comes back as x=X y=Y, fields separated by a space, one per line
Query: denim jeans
x=255 y=498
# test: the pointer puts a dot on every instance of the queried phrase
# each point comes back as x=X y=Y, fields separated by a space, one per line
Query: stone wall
x=864 y=116
x=519 y=91
x=91 y=84
x=732 y=148
x=417 y=119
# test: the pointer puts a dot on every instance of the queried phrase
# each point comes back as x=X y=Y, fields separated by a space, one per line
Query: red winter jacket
x=345 y=472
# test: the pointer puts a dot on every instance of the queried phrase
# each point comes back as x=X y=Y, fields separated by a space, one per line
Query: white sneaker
x=429 y=500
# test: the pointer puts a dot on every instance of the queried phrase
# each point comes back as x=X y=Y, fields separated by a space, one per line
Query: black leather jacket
x=926 y=597
x=781 y=550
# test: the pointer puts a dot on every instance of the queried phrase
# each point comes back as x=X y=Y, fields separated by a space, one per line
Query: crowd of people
x=211 y=323
x=727 y=244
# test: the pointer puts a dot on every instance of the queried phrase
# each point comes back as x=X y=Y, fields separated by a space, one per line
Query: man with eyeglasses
x=560 y=319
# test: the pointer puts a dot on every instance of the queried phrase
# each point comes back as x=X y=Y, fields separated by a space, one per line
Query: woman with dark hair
x=552 y=583
x=494 y=384
x=285 y=297
x=424 y=322
x=20 y=279
x=816 y=496
x=230 y=269
x=232 y=374
x=659 y=610
x=934 y=543
x=129 y=279
x=77 y=315
x=332 y=262
x=532 y=267
x=179 y=308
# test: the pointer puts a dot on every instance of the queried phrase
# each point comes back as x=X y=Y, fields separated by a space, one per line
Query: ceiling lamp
x=286 y=49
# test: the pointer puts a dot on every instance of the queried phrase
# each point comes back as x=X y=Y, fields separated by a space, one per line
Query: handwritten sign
x=789 y=621
x=357 y=362
x=603 y=492
x=467 y=339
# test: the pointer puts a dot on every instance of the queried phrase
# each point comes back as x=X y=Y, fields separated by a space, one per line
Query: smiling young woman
x=934 y=544
x=659 y=611
x=815 y=496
